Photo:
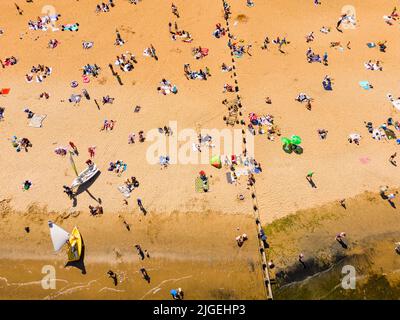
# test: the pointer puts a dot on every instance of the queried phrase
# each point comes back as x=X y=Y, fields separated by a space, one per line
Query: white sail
x=58 y=235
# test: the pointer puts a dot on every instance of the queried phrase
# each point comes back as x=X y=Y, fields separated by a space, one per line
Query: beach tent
x=296 y=140
x=216 y=162
x=286 y=141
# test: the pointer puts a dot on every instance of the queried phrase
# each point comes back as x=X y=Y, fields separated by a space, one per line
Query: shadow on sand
x=85 y=188
x=292 y=148
x=80 y=264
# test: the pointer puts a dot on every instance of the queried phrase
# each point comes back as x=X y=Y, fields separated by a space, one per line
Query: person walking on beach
x=265 y=44
x=141 y=207
x=392 y=160
x=92 y=151
x=139 y=251
x=309 y=178
x=176 y=294
x=113 y=276
x=74 y=148
x=391 y=197
x=340 y=238
x=301 y=257
x=397 y=247
x=68 y=191
x=145 y=275
x=325 y=59
x=20 y=12
x=175 y=10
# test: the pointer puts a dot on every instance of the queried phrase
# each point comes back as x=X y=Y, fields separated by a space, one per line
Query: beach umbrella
x=216 y=162
x=296 y=140
x=286 y=141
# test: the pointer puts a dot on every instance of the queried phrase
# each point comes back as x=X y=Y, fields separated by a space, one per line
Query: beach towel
x=37 y=120
x=5 y=91
x=229 y=178
x=395 y=102
x=371 y=45
x=125 y=191
x=200 y=186
x=364 y=84
x=242 y=172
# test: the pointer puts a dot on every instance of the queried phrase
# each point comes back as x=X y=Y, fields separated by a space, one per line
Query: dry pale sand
x=281 y=188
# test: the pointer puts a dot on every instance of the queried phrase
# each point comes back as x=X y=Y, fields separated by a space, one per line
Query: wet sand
x=372 y=228
x=184 y=252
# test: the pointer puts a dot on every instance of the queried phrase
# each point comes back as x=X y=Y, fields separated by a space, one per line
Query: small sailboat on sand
x=73 y=241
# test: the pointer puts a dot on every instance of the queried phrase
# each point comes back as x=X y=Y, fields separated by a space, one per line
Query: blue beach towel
x=364 y=84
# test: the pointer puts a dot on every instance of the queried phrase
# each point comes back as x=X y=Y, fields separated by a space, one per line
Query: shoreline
x=372 y=229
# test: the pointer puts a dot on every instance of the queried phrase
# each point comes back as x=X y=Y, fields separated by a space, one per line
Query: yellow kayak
x=74 y=245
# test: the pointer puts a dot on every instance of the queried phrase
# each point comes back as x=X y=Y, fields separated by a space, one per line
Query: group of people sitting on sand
x=241 y=239
x=219 y=31
x=53 y=43
x=87 y=45
x=322 y=133
x=10 y=61
x=107 y=100
x=91 y=70
x=42 y=23
x=164 y=161
x=199 y=52
x=108 y=125
x=105 y=7
x=20 y=144
x=132 y=137
x=237 y=49
x=125 y=61
x=132 y=183
x=354 y=137
x=118 y=167
x=166 y=87
x=263 y=122
x=61 y=151
x=150 y=52
x=165 y=130
x=95 y=211
x=392 y=18
x=185 y=36
x=303 y=97
x=313 y=57
x=41 y=72
x=370 y=65
x=228 y=88
x=193 y=75
x=280 y=42
x=226 y=68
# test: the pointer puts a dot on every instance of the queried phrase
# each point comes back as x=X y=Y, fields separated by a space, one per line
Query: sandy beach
x=191 y=235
